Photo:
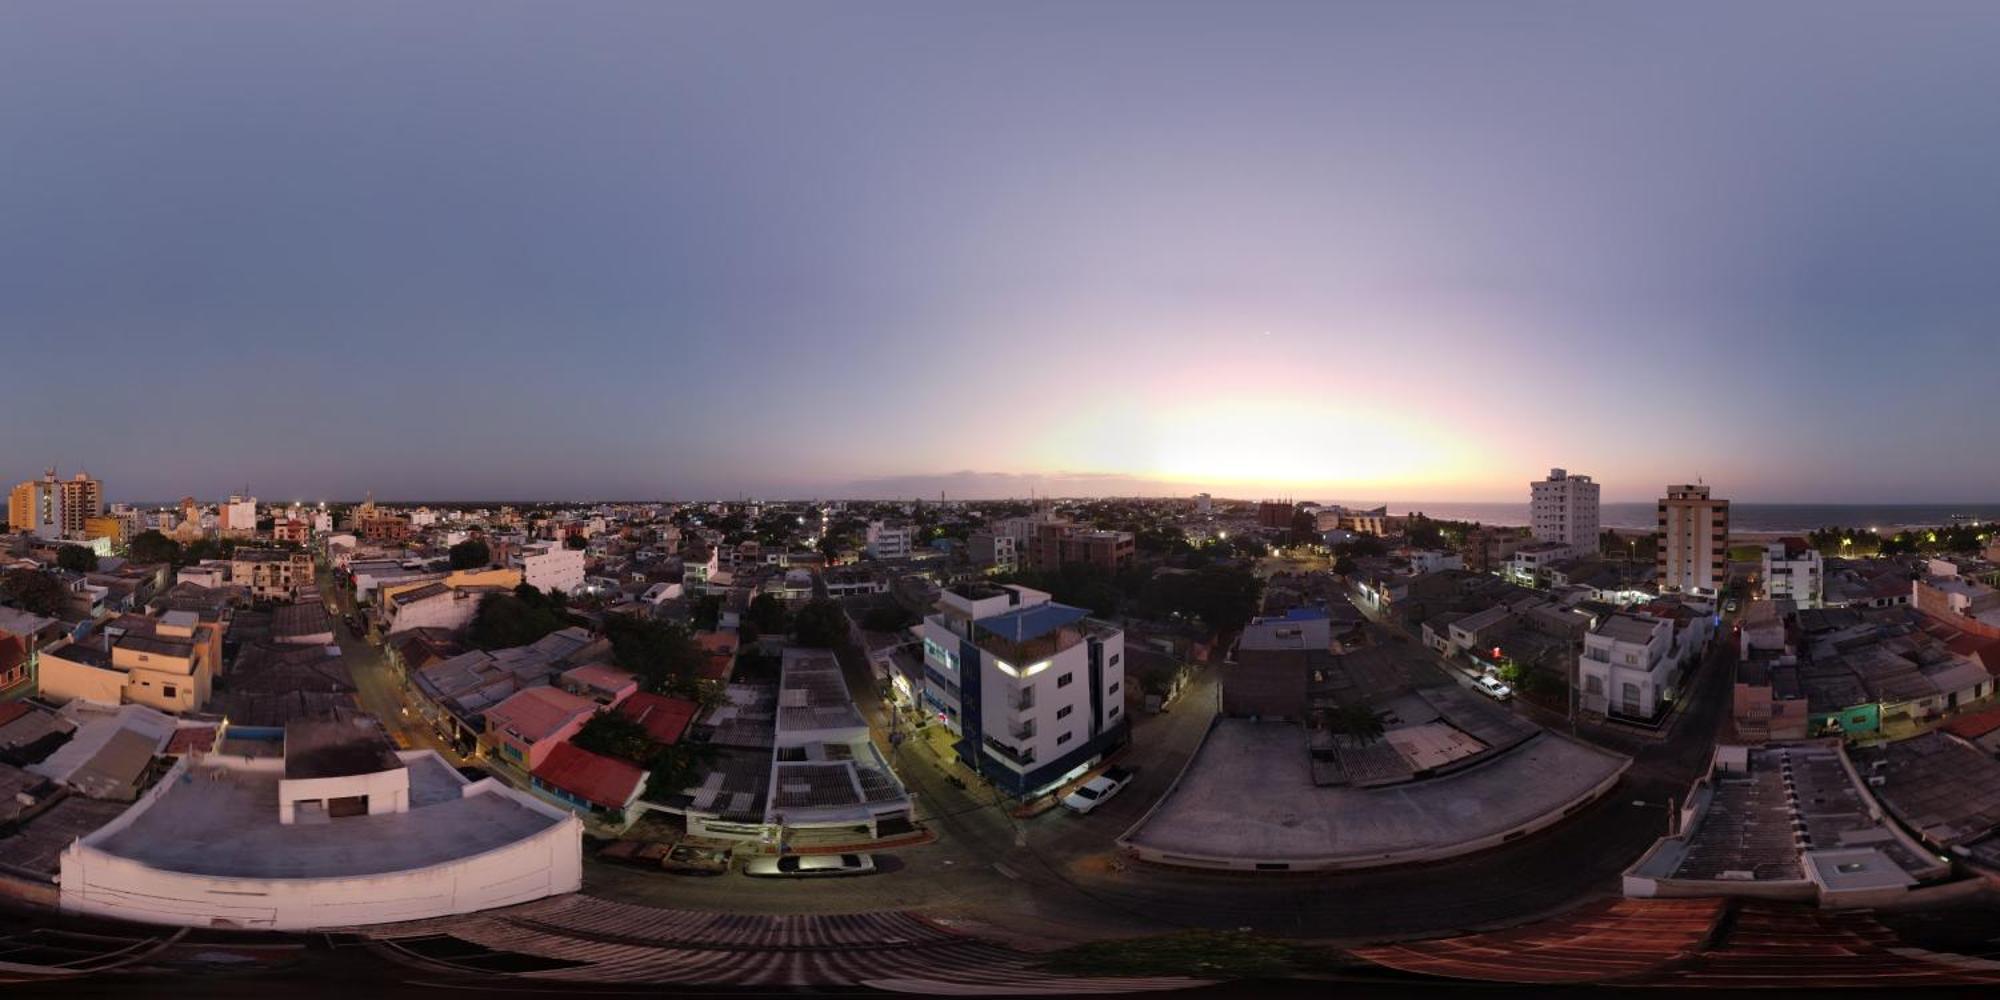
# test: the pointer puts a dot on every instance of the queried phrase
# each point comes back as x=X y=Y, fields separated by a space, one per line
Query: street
x=1066 y=882
x=376 y=684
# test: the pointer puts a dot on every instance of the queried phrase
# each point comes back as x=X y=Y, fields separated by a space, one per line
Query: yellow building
x=105 y=527
x=500 y=577
x=165 y=663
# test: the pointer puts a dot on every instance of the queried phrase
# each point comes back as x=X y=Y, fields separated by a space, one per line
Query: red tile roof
x=665 y=718
x=188 y=739
x=599 y=780
x=11 y=710
x=721 y=649
x=13 y=651
x=1973 y=725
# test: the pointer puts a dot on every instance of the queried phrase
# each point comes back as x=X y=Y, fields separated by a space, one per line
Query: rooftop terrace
x=223 y=821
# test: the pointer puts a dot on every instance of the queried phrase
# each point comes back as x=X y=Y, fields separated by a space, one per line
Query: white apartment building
x=239 y=514
x=1563 y=508
x=552 y=566
x=1794 y=570
x=889 y=541
x=1035 y=690
x=1694 y=540
x=697 y=568
x=1626 y=665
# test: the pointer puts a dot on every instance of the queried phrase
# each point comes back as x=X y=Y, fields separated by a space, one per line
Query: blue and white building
x=1035 y=690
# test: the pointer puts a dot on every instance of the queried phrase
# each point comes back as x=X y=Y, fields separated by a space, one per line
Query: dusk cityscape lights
x=1008 y=499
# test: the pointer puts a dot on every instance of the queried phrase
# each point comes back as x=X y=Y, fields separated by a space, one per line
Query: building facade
x=885 y=541
x=1694 y=540
x=1794 y=570
x=1564 y=508
x=1033 y=689
x=552 y=566
x=1627 y=666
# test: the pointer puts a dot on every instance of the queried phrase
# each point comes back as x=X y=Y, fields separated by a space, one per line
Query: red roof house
x=664 y=717
x=591 y=781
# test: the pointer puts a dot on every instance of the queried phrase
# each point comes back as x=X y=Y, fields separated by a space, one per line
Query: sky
x=1414 y=250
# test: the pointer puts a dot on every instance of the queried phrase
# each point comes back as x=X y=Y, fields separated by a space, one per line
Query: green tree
x=767 y=616
x=150 y=546
x=665 y=656
x=672 y=768
x=34 y=591
x=517 y=619
x=77 y=559
x=471 y=554
x=821 y=623
x=707 y=612
x=576 y=542
x=887 y=618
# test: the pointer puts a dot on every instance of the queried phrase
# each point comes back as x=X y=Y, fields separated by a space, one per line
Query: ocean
x=1745 y=517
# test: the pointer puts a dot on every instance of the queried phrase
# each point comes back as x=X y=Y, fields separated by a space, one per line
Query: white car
x=1092 y=793
x=1493 y=688
x=810 y=865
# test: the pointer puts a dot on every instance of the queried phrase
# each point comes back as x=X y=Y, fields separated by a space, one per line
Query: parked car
x=688 y=859
x=810 y=866
x=1094 y=792
x=1494 y=688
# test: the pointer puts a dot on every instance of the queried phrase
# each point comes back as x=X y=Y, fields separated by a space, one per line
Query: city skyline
x=1344 y=251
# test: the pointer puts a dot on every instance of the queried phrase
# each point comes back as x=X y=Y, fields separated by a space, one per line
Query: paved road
x=377 y=686
x=1065 y=881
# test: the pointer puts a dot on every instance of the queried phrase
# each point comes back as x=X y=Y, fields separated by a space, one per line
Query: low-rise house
x=1627 y=666
x=430 y=605
x=605 y=787
x=523 y=729
x=271 y=574
x=666 y=718
x=167 y=663
x=306 y=624
x=607 y=686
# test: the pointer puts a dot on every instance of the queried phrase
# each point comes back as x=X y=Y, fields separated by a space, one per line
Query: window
x=167 y=690
x=1113 y=689
x=1115 y=657
x=1064 y=680
x=1063 y=712
x=1113 y=713
x=1064 y=738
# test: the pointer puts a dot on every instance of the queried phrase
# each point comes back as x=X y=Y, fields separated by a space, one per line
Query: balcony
x=1019 y=758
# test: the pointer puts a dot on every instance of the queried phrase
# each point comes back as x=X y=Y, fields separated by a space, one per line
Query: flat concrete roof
x=223 y=822
x=1249 y=795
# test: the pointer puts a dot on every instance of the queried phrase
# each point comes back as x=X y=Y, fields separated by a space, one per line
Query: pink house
x=604 y=685
x=524 y=728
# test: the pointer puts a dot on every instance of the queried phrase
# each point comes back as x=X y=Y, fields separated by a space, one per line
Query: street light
x=1667 y=805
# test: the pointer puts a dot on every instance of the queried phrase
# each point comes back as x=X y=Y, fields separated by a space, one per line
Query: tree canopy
x=471 y=554
x=767 y=616
x=150 y=546
x=821 y=623
x=77 y=559
x=516 y=619
x=672 y=769
x=33 y=591
x=665 y=656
